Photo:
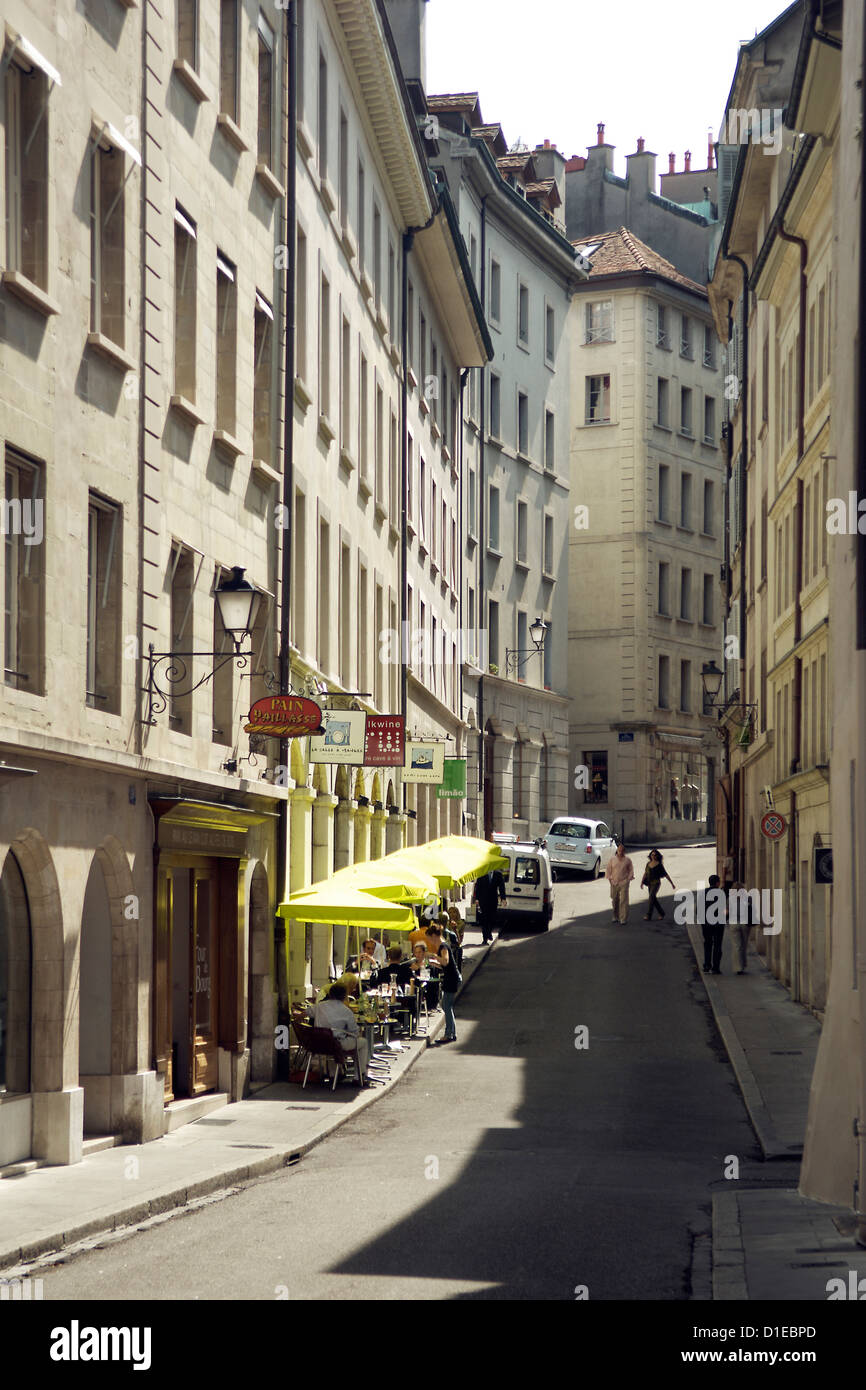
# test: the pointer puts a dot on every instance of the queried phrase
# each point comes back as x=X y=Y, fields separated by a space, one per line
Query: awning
x=394 y=883
x=452 y=859
x=330 y=902
x=32 y=55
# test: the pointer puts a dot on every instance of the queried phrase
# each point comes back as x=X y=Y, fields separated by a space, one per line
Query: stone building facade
x=645 y=544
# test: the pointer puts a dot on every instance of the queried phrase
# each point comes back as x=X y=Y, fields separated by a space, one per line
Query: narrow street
x=514 y=1165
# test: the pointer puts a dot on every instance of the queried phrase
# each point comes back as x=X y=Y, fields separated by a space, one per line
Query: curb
x=759 y=1114
x=180 y=1197
x=729 y=1256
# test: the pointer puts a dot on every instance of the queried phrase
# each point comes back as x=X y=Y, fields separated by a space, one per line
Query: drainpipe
x=482 y=523
x=290 y=29
x=859 y=927
x=741 y=524
x=464 y=377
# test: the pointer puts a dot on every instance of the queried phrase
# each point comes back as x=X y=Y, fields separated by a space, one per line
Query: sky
x=552 y=69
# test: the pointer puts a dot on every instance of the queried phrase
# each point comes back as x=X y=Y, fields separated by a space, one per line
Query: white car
x=528 y=884
x=583 y=845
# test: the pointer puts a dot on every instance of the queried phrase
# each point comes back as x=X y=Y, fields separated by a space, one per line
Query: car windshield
x=525 y=870
x=570 y=830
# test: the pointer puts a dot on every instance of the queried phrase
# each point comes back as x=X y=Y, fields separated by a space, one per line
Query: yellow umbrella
x=328 y=902
x=453 y=859
x=392 y=882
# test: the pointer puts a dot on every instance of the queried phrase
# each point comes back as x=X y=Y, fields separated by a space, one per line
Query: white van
x=528 y=885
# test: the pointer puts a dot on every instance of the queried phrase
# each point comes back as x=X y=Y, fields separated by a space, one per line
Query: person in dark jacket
x=451 y=981
x=653 y=874
x=489 y=893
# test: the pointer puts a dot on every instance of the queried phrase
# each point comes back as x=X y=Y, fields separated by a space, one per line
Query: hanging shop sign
x=425 y=761
x=343 y=738
x=773 y=825
x=453 y=778
x=386 y=740
x=284 y=716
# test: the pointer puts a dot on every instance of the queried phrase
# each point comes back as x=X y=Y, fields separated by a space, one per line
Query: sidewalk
x=769 y=1242
x=52 y=1208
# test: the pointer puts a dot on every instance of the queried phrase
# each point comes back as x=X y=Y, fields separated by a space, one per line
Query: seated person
x=333 y=1014
x=419 y=960
x=372 y=953
x=351 y=986
x=396 y=971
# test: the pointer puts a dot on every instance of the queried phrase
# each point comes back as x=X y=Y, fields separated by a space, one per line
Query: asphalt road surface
x=517 y=1164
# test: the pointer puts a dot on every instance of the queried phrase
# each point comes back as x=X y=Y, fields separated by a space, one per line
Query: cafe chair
x=320 y=1042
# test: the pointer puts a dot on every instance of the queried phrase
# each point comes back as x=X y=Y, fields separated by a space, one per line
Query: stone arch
x=16 y=975
x=125 y=908
x=261 y=995
x=52 y=1065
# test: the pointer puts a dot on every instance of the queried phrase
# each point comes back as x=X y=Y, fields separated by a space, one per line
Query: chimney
x=600 y=154
x=641 y=170
x=688 y=168
x=550 y=164
x=672 y=161
x=408 y=22
x=710 y=151
x=600 y=140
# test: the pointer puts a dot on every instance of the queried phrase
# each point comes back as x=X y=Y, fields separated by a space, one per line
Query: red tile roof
x=622 y=253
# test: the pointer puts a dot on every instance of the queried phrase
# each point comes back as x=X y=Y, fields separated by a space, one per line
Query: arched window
x=15 y=979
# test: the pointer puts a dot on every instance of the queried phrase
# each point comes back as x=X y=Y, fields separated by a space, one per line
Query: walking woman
x=653 y=874
x=451 y=982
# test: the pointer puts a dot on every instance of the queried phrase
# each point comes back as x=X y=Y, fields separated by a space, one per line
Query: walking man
x=619 y=874
x=489 y=892
x=713 y=926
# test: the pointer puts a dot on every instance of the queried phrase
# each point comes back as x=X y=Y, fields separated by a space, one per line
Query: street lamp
x=712 y=678
x=168 y=674
x=518 y=656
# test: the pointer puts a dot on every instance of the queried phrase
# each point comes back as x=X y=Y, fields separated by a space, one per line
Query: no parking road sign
x=773 y=825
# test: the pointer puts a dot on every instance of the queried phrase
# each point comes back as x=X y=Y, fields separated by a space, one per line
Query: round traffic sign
x=773 y=825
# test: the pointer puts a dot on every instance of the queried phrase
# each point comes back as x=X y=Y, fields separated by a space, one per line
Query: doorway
x=191 y=901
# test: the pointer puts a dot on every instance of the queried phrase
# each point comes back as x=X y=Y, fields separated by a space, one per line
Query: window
x=709 y=509
x=423 y=654
x=434 y=378
x=299 y=585
x=422 y=358
x=183 y=573
x=263 y=338
x=709 y=347
x=664 y=682
x=422 y=493
x=547 y=555
x=685 y=685
x=229 y=69
x=27 y=172
x=599 y=321
x=107 y=243
x=470 y=615
x=394 y=470
x=709 y=420
x=362 y=216
x=364 y=419
x=226 y=345
x=522 y=532
x=325 y=348
x=707 y=610
x=184 y=305
x=596 y=762
x=495 y=405
x=345 y=386
x=821 y=316
x=434 y=511
x=686 y=595
x=343 y=175
x=664 y=492
x=765 y=381
x=363 y=648
x=323 y=116
x=495 y=291
x=686 y=338
x=266 y=93
x=392 y=290
x=325 y=617
x=598 y=400
x=301 y=306
x=347 y=626
x=379 y=666
x=686 y=501
x=662 y=339
x=549 y=334
x=523 y=314
x=471 y=505
x=550 y=441
x=443 y=538
x=434 y=653
x=664 y=588
x=522 y=423
x=410 y=481
x=493 y=635
x=377 y=254
x=473 y=255
x=493 y=519
x=662 y=408
x=379 y=444
x=685 y=410
x=24 y=575
x=453 y=571
x=187 y=32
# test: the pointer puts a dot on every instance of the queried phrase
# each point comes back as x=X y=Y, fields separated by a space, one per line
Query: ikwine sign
x=284 y=716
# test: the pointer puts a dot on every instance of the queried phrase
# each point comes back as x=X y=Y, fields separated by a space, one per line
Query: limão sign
x=284 y=716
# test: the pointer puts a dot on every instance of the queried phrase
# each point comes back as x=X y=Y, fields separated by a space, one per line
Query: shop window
x=596 y=762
